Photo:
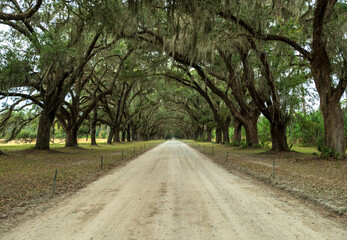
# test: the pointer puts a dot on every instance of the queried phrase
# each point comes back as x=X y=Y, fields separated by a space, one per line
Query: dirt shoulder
x=27 y=177
x=321 y=181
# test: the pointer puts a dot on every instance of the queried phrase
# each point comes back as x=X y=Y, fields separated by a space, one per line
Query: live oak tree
x=191 y=24
x=245 y=57
x=93 y=85
x=221 y=119
x=62 y=43
x=322 y=21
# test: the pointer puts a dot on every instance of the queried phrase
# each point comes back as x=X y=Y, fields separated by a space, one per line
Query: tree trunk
x=278 y=137
x=110 y=136
x=44 y=129
x=116 y=137
x=53 y=132
x=123 y=135
x=252 y=131
x=133 y=134
x=322 y=72
x=196 y=135
x=334 y=127
x=237 y=131
x=209 y=135
x=128 y=135
x=93 y=128
x=226 y=138
x=201 y=133
x=218 y=135
x=71 y=137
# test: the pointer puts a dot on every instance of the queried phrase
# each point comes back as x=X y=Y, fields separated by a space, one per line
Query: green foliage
x=199 y=139
x=308 y=129
x=263 y=144
x=14 y=70
x=244 y=143
x=27 y=135
x=103 y=133
x=235 y=143
x=325 y=152
x=264 y=130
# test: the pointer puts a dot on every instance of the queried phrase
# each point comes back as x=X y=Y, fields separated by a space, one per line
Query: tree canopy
x=204 y=69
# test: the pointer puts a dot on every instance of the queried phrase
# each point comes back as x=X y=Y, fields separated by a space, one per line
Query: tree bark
x=116 y=137
x=252 y=131
x=128 y=134
x=110 y=135
x=71 y=137
x=278 y=137
x=123 y=135
x=334 y=127
x=133 y=134
x=44 y=129
x=237 y=131
x=209 y=135
x=93 y=128
x=225 y=130
x=218 y=135
x=322 y=71
x=226 y=138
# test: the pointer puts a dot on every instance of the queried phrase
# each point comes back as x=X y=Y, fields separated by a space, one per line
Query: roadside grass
x=26 y=175
x=308 y=150
x=321 y=180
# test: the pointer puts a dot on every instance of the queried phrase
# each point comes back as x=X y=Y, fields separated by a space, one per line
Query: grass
x=26 y=175
x=307 y=150
x=308 y=175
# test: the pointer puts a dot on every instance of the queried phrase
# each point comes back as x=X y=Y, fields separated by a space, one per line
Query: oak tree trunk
x=322 y=72
x=218 y=135
x=116 y=137
x=252 y=131
x=93 y=128
x=334 y=121
x=133 y=134
x=128 y=134
x=237 y=131
x=278 y=137
x=110 y=136
x=71 y=137
x=226 y=138
x=44 y=129
x=123 y=135
x=209 y=135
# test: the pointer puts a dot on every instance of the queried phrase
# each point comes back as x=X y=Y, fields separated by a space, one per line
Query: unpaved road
x=174 y=192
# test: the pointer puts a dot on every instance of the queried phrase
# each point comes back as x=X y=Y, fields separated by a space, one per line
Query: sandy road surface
x=173 y=192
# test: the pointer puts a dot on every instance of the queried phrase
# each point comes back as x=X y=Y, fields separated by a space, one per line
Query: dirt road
x=174 y=192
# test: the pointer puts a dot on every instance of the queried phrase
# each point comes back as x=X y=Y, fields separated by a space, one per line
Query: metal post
x=54 y=181
x=273 y=169
x=227 y=156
